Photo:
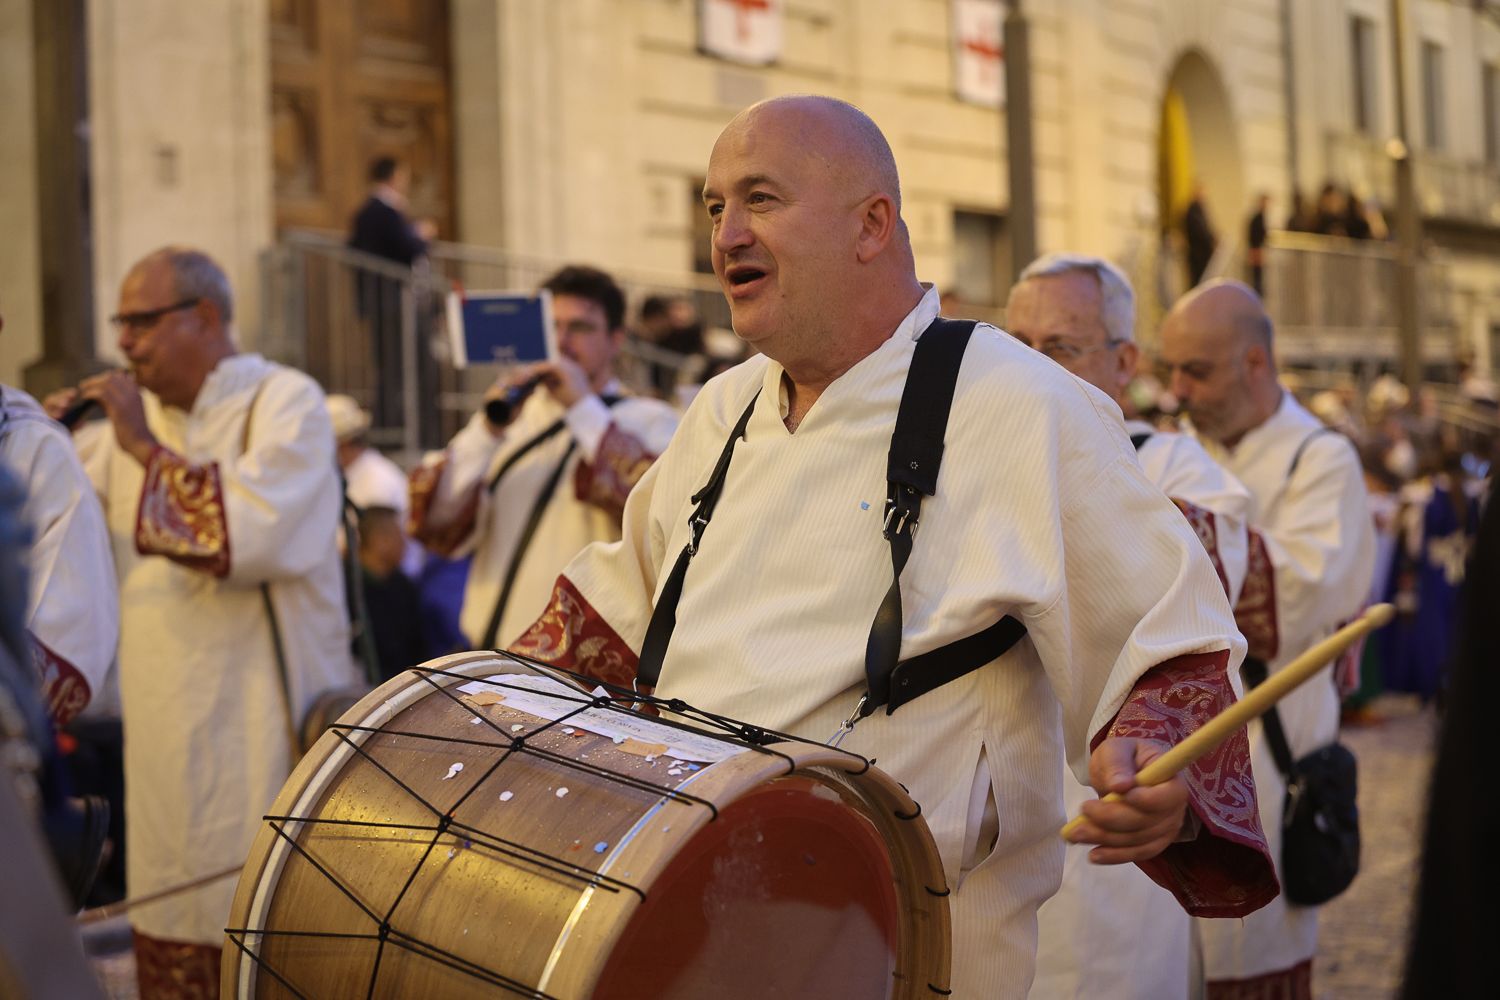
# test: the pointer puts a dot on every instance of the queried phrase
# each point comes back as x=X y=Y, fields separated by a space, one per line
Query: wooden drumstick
x=1256 y=701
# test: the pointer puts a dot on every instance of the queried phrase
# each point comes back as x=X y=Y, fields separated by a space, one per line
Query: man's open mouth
x=743 y=277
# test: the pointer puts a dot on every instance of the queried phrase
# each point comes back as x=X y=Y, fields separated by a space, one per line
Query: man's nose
x=1178 y=386
x=731 y=232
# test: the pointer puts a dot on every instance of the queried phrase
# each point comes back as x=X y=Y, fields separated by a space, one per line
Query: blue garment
x=1425 y=588
x=441 y=583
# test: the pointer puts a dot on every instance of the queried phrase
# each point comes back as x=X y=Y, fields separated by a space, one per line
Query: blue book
x=504 y=328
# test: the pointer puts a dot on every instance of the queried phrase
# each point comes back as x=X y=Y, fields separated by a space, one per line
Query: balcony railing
x=375 y=330
x=1447 y=187
x=1333 y=300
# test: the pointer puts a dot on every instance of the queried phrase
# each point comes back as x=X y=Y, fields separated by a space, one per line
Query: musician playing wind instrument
x=524 y=495
x=1312 y=552
x=217 y=474
x=1040 y=513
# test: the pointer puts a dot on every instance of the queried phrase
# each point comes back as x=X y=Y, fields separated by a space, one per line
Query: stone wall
x=20 y=267
x=179 y=97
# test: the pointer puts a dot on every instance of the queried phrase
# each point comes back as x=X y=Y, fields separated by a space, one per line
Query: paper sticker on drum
x=417 y=853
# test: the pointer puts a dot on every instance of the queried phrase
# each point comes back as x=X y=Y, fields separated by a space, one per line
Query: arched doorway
x=1198 y=145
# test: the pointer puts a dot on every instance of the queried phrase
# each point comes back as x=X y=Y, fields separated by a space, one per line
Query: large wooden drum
x=477 y=827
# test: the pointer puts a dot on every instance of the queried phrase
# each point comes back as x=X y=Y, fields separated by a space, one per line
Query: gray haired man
x=1080 y=312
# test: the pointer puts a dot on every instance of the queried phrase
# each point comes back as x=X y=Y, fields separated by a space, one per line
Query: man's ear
x=878 y=222
x=1127 y=357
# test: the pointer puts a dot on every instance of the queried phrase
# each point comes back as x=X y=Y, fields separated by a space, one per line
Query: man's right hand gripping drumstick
x=1252 y=705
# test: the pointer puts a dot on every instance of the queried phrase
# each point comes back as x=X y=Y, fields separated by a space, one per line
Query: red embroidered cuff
x=442 y=538
x=1255 y=614
x=181 y=515
x=572 y=635
x=621 y=462
x=65 y=690
x=1226 y=871
x=1207 y=529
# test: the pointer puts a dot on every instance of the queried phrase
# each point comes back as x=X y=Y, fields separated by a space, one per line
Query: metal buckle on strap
x=847 y=726
x=695 y=529
x=898 y=517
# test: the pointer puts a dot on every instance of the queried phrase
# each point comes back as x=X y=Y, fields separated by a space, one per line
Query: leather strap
x=664 y=615
x=1254 y=673
x=912 y=467
x=538 y=508
x=912 y=472
x=547 y=434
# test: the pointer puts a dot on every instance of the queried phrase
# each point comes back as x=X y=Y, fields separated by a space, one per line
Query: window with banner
x=742 y=31
x=979 y=52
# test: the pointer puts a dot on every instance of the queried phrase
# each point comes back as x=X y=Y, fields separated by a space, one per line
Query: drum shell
x=556 y=931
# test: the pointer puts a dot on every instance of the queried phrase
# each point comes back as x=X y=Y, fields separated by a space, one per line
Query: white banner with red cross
x=745 y=31
x=979 y=52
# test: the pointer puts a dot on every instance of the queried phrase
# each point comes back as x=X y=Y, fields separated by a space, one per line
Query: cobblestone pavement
x=1362 y=939
x=1362 y=935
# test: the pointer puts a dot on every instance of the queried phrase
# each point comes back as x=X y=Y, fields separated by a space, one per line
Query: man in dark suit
x=381 y=227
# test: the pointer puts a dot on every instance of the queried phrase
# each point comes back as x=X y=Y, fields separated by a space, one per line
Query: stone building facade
x=580 y=129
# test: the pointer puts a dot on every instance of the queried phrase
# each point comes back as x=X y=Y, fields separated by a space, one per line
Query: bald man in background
x=1311 y=557
x=775 y=612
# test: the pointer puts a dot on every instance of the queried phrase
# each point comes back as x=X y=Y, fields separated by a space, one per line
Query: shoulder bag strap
x=546 y=434
x=1254 y=673
x=538 y=508
x=664 y=615
x=1136 y=440
x=1297 y=455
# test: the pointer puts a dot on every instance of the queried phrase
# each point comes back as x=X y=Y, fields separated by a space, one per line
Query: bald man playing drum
x=1040 y=514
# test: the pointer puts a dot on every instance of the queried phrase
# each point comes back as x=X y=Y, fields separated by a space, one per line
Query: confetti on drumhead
x=517 y=728
x=475 y=721
x=451 y=852
x=562 y=792
x=569 y=730
x=619 y=740
x=601 y=847
x=674 y=771
x=453 y=769
x=486 y=698
x=507 y=795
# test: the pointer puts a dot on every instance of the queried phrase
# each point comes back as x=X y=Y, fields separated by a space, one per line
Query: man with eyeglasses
x=216 y=469
x=1080 y=312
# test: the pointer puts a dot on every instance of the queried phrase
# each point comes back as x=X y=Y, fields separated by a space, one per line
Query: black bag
x=1320 y=818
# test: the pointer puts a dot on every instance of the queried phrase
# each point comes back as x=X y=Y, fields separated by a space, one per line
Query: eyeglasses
x=148 y=318
x=1065 y=353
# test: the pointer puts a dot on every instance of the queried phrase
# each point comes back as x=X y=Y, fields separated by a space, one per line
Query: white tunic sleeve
x=268 y=515
x=73 y=611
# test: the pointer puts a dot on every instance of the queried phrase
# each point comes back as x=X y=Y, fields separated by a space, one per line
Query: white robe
x=1318 y=534
x=568 y=523
x=73 y=607
x=1090 y=938
x=1037 y=479
x=206 y=742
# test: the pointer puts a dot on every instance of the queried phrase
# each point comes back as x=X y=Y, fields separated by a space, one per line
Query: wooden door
x=352 y=80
